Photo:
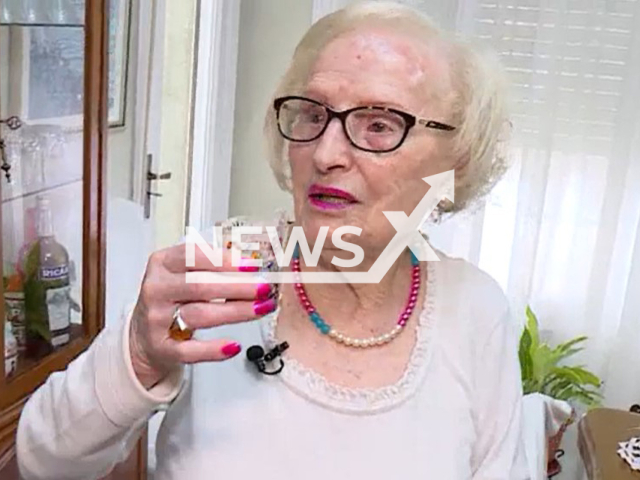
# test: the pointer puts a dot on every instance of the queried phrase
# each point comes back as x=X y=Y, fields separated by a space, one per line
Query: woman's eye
x=379 y=127
x=313 y=117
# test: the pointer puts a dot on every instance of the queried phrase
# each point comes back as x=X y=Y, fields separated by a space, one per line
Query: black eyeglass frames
x=369 y=128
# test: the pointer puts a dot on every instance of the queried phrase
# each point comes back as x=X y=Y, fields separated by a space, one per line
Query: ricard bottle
x=46 y=288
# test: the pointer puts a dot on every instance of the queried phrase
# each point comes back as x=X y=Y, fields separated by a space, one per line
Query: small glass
x=281 y=221
x=51 y=140
x=32 y=163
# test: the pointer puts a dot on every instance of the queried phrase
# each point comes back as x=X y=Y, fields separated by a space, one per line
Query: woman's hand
x=153 y=352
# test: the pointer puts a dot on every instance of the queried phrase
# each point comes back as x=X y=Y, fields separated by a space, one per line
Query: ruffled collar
x=315 y=388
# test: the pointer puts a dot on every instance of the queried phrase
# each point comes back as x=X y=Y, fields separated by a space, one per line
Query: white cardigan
x=454 y=415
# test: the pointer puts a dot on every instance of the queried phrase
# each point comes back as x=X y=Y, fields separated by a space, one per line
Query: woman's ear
x=461 y=162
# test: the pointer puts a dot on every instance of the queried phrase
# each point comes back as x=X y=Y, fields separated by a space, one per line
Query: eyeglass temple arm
x=436 y=125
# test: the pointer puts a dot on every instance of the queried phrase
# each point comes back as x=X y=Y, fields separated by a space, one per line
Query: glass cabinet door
x=49 y=161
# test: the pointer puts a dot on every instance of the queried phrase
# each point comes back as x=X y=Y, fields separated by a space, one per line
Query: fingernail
x=245 y=266
x=264 y=307
x=231 y=349
x=264 y=291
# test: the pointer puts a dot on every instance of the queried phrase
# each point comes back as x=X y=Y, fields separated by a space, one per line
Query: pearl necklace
x=334 y=334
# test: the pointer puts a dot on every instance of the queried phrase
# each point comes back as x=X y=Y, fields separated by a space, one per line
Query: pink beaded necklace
x=326 y=329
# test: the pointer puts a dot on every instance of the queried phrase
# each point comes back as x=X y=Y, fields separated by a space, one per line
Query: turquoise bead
x=320 y=323
x=414 y=259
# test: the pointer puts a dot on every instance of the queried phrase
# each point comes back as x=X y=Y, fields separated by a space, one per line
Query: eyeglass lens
x=374 y=129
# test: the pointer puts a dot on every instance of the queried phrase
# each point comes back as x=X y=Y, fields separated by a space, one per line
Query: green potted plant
x=545 y=370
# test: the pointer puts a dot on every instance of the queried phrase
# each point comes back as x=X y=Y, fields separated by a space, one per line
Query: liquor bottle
x=46 y=288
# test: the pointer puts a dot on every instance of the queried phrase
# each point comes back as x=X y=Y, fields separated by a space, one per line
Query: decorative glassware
x=32 y=164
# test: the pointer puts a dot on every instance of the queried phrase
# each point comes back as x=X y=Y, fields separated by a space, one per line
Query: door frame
x=214 y=105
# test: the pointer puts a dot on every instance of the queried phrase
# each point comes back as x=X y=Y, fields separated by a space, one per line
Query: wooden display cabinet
x=54 y=78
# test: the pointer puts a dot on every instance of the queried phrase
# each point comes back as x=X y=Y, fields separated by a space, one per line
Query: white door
x=163 y=104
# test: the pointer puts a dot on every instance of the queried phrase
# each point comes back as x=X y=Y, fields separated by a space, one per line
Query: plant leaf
x=564 y=349
x=532 y=326
x=555 y=387
x=564 y=394
x=524 y=353
x=576 y=393
x=587 y=377
x=587 y=399
x=579 y=375
x=543 y=362
x=572 y=351
x=542 y=370
x=529 y=386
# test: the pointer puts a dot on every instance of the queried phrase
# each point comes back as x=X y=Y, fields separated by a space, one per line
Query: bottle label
x=54 y=273
x=58 y=307
x=15 y=312
x=10 y=365
x=10 y=357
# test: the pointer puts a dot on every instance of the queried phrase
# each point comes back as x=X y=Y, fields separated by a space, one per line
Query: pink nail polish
x=264 y=307
x=245 y=266
x=231 y=349
x=263 y=291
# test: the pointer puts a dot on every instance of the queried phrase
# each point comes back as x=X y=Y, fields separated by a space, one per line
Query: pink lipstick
x=330 y=198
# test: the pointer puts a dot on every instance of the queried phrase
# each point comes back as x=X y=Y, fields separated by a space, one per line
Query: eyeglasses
x=372 y=129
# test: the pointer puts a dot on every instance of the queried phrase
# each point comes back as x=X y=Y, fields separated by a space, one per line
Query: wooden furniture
x=599 y=432
x=54 y=77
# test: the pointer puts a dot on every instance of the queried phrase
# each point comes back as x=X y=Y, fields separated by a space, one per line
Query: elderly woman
x=416 y=376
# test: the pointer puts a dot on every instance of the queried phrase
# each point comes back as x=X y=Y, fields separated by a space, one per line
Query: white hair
x=478 y=83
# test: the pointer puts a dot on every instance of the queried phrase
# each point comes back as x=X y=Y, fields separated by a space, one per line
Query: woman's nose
x=333 y=149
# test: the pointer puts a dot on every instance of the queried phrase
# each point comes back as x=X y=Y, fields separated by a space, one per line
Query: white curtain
x=561 y=231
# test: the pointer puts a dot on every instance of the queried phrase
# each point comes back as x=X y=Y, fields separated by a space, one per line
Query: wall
x=269 y=32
